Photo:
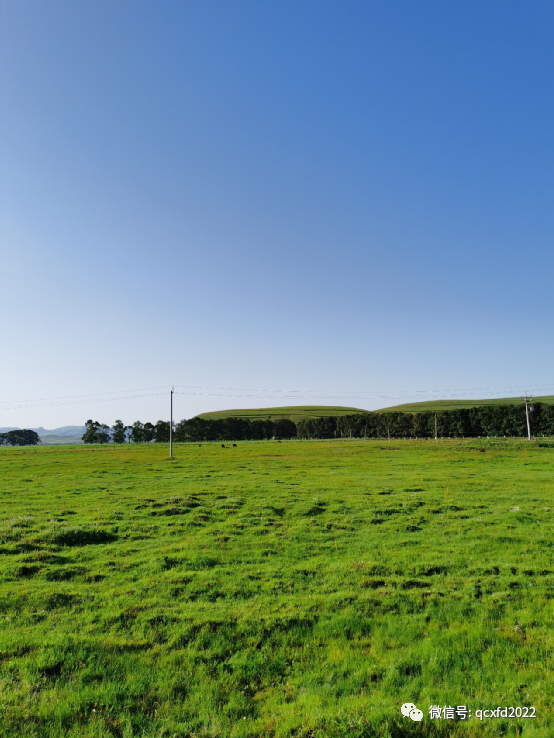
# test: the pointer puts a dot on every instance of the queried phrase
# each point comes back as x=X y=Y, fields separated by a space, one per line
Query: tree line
x=195 y=429
x=484 y=420
x=96 y=432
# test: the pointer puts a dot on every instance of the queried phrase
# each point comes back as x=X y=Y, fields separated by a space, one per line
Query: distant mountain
x=66 y=430
x=71 y=431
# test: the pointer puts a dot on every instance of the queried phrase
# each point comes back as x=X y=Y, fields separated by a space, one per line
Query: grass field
x=439 y=405
x=294 y=413
x=275 y=589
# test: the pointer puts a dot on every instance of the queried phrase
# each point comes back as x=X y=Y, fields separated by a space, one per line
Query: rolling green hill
x=301 y=412
x=440 y=405
x=295 y=412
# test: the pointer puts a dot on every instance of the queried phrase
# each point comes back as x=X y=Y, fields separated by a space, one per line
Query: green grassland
x=300 y=589
x=294 y=413
x=440 y=405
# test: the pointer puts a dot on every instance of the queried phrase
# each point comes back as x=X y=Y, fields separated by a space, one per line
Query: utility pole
x=171 y=425
x=436 y=434
x=527 y=416
x=388 y=430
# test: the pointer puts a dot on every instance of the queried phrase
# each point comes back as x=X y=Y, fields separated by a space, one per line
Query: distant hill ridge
x=66 y=430
x=440 y=405
x=302 y=412
x=294 y=413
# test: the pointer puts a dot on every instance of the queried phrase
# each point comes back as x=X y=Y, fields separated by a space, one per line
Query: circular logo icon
x=408 y=709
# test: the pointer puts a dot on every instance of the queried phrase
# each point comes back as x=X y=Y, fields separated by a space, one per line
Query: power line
x=81 y=402
x=90 y=394
x=294 y=395
x=369 y=392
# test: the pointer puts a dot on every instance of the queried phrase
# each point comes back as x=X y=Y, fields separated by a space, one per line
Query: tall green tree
x=149 y=432
x=137 y=432
x=96 y=432
x=89 y=436
x=119 y=432
x=162 y=431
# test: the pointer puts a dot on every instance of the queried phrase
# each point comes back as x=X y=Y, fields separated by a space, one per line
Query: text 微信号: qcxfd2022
x=461 y=712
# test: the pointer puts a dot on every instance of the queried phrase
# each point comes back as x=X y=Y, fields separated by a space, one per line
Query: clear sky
x=353 y=200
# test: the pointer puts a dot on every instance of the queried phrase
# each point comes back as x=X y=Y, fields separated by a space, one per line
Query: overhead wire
x=90 y=394
x=260 y=394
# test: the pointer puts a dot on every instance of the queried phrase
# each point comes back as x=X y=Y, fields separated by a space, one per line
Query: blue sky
x=352 y=200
